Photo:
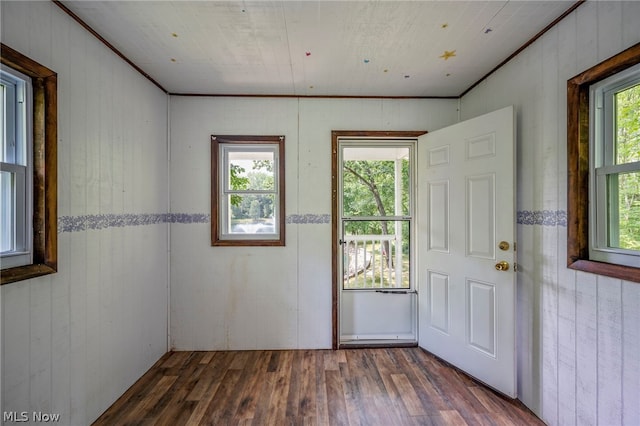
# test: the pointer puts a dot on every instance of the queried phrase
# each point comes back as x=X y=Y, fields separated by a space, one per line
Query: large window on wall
x=604 y=168
x=615 y=170
x=247 y=190
x=28 y=168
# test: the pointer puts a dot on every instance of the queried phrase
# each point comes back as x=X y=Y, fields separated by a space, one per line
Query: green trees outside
x=369 y=189
x=252 y=206
x=237 y=182
x=628 y=151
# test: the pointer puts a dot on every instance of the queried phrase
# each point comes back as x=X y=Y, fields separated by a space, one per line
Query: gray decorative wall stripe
x=542 y=217
x=188 y=218
x=103 y=221
x=301 y=219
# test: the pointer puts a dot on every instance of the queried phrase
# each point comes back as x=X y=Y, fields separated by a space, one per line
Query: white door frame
x=336 y=215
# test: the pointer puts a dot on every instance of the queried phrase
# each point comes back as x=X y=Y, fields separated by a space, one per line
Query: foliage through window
x=616 y=170
x=376 y=214
x=370 y=189
x=15 y=168
x=604 y=167
x=247 y=190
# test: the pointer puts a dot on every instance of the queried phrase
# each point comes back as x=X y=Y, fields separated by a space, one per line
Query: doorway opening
x=374 y=291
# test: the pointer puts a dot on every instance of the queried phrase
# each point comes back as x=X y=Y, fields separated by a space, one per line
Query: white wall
x=74 y=341
x=579 y=334
x=266 y=297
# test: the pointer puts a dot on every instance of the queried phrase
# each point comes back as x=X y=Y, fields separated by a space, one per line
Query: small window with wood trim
x=247 y=190
x=604 y=168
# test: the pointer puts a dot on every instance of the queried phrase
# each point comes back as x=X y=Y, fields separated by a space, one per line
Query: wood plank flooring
x=382 y=386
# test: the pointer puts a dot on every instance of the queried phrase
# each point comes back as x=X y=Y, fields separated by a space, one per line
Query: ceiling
x=318 y=48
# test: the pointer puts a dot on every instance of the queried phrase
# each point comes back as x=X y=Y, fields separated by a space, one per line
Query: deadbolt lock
x=504 y=246
x=502 y=265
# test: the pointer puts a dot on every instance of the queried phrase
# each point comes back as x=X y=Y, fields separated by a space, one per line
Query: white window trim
x=601 y=165
x=225 y=191
x=22 y=253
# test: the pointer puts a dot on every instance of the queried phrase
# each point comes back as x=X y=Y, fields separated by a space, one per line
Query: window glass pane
x=3 y=101
x=376 y=182
x=252 y=214
x=251 y=170
x=7 y=212
x=628 y=125
x=12 y=117
x=624 y=210
x=3 y=121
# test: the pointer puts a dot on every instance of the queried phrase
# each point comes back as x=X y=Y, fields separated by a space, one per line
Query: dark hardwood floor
x=382 y=386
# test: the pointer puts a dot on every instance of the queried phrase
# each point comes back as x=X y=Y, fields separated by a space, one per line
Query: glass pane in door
x=376 y=181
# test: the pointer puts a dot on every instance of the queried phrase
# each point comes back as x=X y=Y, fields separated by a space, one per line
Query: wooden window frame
x=45 y=167
x=216 y=236
x=578 y=156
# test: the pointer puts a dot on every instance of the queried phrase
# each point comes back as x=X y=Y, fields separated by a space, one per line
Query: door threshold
x=358 y=344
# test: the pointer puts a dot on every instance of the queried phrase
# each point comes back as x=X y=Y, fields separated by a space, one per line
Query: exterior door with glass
x=377 y=298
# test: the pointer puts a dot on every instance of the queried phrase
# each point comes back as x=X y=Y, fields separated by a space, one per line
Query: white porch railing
x=375 y=261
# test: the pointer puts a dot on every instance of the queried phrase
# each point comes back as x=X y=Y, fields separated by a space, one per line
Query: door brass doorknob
x=502 y=265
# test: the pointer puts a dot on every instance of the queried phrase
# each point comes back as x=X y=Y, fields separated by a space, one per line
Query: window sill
x=19 y=273
x=627 y=273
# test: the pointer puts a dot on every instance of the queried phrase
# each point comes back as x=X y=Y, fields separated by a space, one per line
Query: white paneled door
x=466 y=240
